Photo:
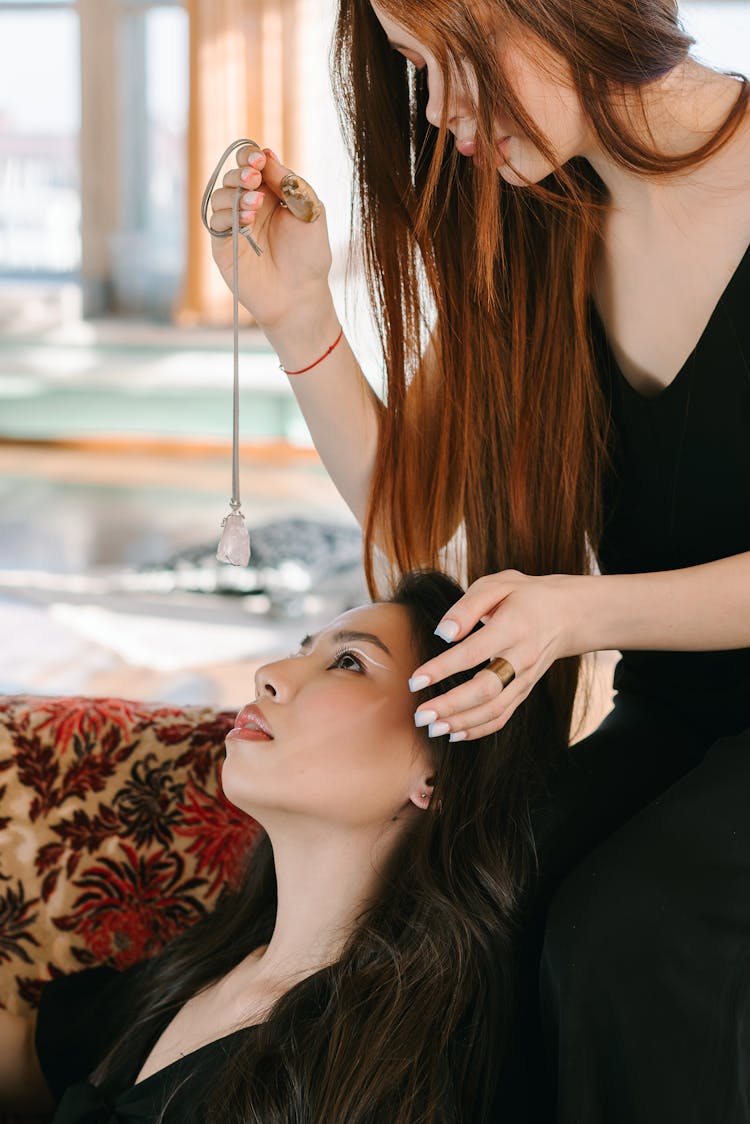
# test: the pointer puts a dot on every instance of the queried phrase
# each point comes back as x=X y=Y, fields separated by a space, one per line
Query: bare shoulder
x=664 y=267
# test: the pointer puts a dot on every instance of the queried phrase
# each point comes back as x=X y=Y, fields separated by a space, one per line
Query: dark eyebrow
x=347 y=636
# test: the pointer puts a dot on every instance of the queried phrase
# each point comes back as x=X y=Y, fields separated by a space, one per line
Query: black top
x=679 y=496
x=80 y=1016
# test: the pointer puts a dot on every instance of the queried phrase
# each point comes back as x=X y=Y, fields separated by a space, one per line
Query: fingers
x=473 y=733
x=248 y=175
x=243 y=154
x=480 y=599
x=481 y=704
x=261 y=170
x=223 y=201
x=290 y=189
x=265 y=161
x=510 y=606
x=462 y=721
x=470 y=652
x=482 y=690
x=274 y=171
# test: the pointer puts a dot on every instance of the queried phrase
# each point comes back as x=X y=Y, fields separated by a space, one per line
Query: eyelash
x=345 y=652
x=336 y=659
x=421 y=66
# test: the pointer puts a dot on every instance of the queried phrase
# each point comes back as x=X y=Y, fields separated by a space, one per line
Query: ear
x=421 y=793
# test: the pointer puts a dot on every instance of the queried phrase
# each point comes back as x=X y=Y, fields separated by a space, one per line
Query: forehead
x=387 y=621
x=395 y=31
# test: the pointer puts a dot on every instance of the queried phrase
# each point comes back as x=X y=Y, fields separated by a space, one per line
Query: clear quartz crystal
x=234 y=544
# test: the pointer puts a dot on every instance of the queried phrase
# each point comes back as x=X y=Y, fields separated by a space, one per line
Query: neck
x=324 y=879
x=676 y=115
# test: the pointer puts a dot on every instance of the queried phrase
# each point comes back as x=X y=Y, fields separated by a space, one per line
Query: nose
x=264 y=688
x=434 y=111
x=435 y=92
x=276 y=680
x=434 y=108
x=267 y=682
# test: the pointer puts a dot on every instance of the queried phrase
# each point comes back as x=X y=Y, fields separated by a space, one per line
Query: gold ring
x=503 y=669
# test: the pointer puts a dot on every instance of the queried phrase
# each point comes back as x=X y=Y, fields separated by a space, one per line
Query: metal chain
x=234 y=234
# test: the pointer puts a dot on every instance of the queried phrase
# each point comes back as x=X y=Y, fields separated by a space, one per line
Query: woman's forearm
x=700 y=608
x=339 y=405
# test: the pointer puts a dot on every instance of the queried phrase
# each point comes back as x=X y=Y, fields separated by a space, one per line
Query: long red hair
x=508 y=441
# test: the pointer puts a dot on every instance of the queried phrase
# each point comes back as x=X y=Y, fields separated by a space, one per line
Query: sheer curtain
x=243 y=83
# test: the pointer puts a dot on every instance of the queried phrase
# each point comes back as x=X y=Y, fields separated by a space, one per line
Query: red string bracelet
x=302 y=371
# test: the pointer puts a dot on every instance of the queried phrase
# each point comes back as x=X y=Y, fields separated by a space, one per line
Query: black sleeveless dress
x=645 y=967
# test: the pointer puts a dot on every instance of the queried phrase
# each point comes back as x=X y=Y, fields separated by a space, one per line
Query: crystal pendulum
x=301 y=200
x=234 y=544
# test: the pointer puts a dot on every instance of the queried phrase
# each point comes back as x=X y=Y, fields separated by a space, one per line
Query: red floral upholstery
x=114 y=833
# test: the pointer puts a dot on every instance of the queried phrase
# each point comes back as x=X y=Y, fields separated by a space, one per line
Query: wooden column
x=242 y=66
x=100 y=173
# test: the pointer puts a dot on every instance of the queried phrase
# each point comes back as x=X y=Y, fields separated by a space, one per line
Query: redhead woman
x=553 y=204
x=365 y=968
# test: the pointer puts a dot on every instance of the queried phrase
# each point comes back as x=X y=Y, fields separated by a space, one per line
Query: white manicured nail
x=437 y=729
x=424 y=717
x=459 y=736
x=447 y=630
x=419 y=682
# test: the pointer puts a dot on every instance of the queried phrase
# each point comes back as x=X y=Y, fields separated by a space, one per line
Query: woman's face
x=541 y=82
x=343 y=751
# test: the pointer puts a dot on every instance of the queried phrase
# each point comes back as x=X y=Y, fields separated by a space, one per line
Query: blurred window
x=40 y=118
x=148 y=249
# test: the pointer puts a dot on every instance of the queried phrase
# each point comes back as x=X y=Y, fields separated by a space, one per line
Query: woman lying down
x=363 y=972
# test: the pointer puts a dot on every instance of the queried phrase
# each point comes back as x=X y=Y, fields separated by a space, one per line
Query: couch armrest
x=114 y=833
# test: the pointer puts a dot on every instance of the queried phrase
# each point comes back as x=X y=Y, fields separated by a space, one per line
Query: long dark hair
x=411 y=1024
x=508 y=437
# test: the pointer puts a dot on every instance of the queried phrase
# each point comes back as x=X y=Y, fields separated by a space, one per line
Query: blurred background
x=115 y=352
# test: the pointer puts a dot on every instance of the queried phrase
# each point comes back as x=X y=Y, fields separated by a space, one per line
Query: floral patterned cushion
x=114 y=833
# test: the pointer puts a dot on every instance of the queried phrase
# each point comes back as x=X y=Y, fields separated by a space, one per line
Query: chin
x=246 y=803
x=529 y=165
x=528 y=175
x=235 y=786
x=259 y=795
x=231 y=794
